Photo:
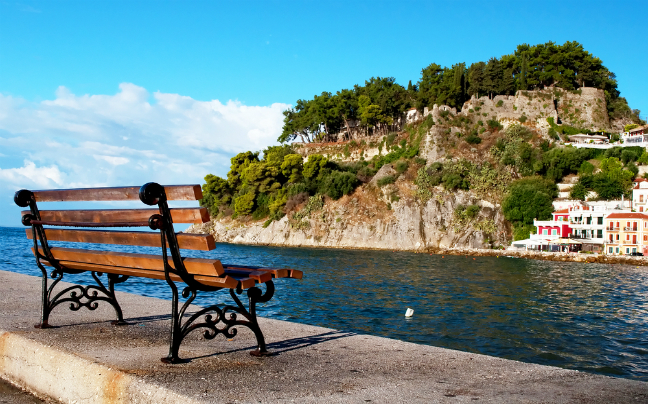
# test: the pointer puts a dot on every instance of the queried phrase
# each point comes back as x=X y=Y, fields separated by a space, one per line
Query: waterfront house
x=640 y=195
x=582 y=138
x=556 y=228
x=626 y=233
x=636 y=137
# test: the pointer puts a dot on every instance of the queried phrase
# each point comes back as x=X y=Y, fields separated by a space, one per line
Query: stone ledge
x=86 y=360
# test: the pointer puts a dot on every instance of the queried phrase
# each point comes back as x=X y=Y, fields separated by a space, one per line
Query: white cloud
x=30 y=175
x=125 y=138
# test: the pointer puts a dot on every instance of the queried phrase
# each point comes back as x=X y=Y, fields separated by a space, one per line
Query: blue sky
x=124 y=92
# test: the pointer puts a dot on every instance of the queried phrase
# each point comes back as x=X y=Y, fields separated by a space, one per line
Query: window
x=554 y=232
x=627 y=237
x=599 y=233
x=640 y=198
x=600 y=220
x=610 y=250
x=617 y=237
x=589 y=220
x=545 y=231
x=627 y=250
x=617 y=250
x=617 y=224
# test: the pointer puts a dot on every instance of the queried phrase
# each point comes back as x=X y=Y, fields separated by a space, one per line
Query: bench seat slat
x=276 y=272
x=178 y=215
x=203 y=242
x=173 y=193
x=259 y=276
x=214 y=281
x=194 y=266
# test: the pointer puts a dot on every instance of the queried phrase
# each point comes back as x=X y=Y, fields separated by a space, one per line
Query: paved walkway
x=86 y=360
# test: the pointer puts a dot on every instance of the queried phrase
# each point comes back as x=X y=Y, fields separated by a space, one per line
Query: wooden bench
x=198 y=274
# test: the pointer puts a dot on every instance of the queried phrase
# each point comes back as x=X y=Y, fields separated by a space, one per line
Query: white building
x=640 y=195
x=636 y=137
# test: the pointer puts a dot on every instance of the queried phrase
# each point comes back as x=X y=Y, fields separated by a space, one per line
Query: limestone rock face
x=411 y=226
x=582 y=108
x=384 y=171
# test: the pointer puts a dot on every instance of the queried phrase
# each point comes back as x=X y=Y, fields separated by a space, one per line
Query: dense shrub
x=295 y=201
x=528 y=199
x=244 y=204
x=338 y=184
x=494 y=125
x=388 y=179
x=473 y=139
x=401 y=166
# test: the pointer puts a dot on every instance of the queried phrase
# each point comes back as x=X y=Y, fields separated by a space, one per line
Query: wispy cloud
x=123 y=139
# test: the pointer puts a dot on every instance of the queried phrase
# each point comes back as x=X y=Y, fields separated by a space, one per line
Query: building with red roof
x=626 y=233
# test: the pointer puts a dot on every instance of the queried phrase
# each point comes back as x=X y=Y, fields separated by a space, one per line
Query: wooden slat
x=245 y=283
x=179 y=215
x=277 y=272
x=204 y=242
x=218 y=282
x=195 y=266
x=295 y=274
x=259 y=276
x=173 y=192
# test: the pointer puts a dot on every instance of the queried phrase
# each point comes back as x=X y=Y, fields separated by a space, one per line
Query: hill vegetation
x=379 y=105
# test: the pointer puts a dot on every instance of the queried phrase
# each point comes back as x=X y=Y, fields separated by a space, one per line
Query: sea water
x=589 y=317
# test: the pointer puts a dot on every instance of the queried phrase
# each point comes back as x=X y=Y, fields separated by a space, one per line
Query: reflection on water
x=589 y=317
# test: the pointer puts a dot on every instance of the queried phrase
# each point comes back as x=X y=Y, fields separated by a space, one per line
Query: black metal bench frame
x=89 y=296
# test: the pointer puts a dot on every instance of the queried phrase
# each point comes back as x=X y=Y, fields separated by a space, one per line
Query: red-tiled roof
x=566 y=210
x=627 y=215
x=640 y=128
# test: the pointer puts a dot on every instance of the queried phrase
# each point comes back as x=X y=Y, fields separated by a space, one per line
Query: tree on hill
x=527 y=199
x=568 y=66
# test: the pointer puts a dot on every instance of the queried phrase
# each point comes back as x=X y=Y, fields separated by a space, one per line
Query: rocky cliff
x=392 y=217
x=365 y=220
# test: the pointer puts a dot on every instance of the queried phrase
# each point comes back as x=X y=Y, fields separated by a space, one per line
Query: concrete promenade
x=86 y=360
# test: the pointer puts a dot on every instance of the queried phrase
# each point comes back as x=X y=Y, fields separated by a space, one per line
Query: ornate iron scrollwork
x=79 y=296
x=209 y=318
x=84 y=296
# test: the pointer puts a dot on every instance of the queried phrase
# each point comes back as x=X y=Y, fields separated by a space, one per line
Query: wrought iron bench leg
x=79 y=296
x=228 y=315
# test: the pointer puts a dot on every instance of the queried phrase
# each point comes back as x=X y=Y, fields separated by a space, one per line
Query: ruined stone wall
x=584 y=108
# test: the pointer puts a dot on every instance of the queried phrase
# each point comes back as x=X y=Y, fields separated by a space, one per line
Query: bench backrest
x=160 y=218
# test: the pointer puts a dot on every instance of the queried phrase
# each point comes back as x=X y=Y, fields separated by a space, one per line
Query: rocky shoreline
x=546 y=256
x=240 y=238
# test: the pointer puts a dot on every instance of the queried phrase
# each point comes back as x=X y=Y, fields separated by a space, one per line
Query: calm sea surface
x=590 y=317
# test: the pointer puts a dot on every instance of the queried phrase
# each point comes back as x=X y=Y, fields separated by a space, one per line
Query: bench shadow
x=287 y=345
x=129 y=321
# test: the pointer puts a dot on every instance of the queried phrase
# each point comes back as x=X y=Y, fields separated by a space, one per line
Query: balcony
x=548 y=223
x=612 y=229
x=629 y=229
x=628 y=242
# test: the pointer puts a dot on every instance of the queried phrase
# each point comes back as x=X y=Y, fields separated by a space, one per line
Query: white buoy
x=409 y=312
